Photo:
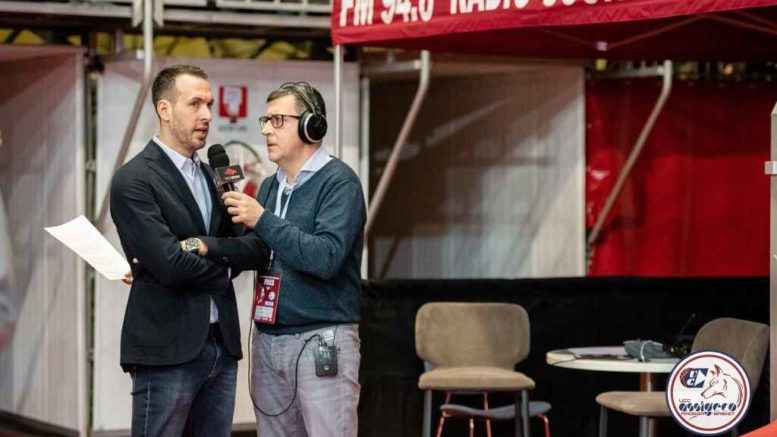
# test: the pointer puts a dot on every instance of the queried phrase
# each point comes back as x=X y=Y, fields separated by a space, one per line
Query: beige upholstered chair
x=744 y=340
x=474 y=347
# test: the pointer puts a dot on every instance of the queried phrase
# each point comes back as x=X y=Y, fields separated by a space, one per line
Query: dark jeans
x=201 y=391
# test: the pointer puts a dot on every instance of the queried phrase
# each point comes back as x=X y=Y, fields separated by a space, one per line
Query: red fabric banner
x=561 y=28
x=697 y=201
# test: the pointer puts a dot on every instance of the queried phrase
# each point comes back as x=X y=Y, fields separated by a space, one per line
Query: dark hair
x=307 y=98
x=164 y=82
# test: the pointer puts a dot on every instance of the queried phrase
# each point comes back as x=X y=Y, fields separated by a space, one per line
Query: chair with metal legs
x=474 y=347
x=448 y=410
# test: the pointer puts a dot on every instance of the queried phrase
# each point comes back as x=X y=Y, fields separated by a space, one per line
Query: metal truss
x=243 y=16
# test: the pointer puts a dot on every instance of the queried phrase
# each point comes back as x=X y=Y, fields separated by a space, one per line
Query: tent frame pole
x=364 y=155
x=771 y=170
x=666 y=72
x=339 y=100
x=424 y=67
x=137 y=109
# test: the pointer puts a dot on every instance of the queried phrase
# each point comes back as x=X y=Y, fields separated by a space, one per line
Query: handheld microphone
x=225 y=175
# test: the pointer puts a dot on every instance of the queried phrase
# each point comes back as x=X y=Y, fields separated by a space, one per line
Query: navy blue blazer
x=167 y=317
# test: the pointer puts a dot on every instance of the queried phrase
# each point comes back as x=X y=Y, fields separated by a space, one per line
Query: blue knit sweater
x=318 y=249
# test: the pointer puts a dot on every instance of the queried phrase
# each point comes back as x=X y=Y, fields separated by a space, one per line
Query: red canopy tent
x=626 y=29
x=732 y=30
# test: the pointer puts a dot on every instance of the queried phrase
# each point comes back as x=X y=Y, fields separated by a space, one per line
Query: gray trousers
x=324 y=406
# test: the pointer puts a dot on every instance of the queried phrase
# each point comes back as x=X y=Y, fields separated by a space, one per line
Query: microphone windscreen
x=217 y=156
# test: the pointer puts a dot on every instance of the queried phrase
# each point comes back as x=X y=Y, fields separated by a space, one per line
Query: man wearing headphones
x=306 y=309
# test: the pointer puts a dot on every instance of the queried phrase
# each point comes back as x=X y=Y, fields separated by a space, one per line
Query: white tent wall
x=491 y=183
x=117 y=89
x=43 y=372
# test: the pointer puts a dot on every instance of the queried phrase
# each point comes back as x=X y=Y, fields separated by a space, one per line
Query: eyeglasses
x=276 y=120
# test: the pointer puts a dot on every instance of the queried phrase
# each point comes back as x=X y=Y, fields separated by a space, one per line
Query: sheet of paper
x=87 y=242
x=597 y=351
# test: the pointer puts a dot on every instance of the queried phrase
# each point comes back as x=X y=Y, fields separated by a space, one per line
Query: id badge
x=266 y=293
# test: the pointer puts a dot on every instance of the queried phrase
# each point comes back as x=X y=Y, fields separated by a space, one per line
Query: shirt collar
x=178 y=159
x=315 y=162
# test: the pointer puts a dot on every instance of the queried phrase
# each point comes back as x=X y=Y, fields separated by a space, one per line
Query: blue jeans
x=200 y=392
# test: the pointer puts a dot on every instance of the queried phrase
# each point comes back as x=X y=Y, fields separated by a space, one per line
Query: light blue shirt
x=316 y=161
x=192 y=173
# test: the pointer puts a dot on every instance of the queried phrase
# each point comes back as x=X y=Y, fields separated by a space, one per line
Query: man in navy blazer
x=180 y=340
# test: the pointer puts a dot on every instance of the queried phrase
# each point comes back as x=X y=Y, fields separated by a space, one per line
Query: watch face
x=191 y=244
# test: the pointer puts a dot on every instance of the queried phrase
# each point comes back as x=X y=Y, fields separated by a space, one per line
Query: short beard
x=186 y=139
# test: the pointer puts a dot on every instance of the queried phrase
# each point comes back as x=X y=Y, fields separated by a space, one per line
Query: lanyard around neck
x=280 y=211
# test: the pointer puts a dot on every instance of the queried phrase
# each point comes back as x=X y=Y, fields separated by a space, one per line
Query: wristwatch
x=191 y=244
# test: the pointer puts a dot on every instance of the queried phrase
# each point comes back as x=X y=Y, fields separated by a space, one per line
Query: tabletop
x=607 y=359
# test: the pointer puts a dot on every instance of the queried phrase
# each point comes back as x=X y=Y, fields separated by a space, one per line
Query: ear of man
x=164 y=109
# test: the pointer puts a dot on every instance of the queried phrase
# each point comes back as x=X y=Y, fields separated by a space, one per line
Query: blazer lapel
x=218 y=211
x=164 y=167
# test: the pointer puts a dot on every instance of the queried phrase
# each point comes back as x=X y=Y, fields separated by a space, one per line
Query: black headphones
x=312 y=121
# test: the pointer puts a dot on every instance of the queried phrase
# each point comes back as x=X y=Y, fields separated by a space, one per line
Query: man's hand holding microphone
x=244 y=209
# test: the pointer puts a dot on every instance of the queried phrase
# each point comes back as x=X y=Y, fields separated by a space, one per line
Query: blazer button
x=134 y=261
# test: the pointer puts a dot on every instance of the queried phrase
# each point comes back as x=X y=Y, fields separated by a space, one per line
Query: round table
x=612 y=359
